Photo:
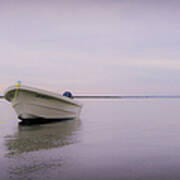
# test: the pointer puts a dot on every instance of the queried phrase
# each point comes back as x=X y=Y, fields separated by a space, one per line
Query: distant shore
x=126 y=97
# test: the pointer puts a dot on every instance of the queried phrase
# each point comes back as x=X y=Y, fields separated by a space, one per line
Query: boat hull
x=36 y=104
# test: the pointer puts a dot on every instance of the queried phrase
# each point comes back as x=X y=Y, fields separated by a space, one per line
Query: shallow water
x=113 y=139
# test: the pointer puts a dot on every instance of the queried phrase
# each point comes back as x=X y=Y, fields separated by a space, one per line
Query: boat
x=32 y=103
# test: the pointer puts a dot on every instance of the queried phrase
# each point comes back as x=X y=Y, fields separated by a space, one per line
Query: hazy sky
x=91 y=46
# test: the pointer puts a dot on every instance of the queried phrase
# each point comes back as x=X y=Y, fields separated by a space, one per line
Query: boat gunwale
x=41 y=92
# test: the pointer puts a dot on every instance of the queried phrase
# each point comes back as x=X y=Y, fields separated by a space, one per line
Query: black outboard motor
x=68 y=94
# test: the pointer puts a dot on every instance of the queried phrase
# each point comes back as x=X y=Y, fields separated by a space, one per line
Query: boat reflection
x=39 y=137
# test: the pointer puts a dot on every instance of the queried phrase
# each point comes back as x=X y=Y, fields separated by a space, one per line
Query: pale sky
x=91 y=46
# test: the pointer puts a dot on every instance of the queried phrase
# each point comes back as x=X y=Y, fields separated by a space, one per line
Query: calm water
x=113 y=139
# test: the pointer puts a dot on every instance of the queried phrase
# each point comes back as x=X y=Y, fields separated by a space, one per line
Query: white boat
x=33 y=103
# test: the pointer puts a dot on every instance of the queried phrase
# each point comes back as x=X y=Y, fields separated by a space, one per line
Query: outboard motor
x=68 y=94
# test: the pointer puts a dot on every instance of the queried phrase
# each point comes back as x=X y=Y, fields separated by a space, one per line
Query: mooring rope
x=18 y=85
